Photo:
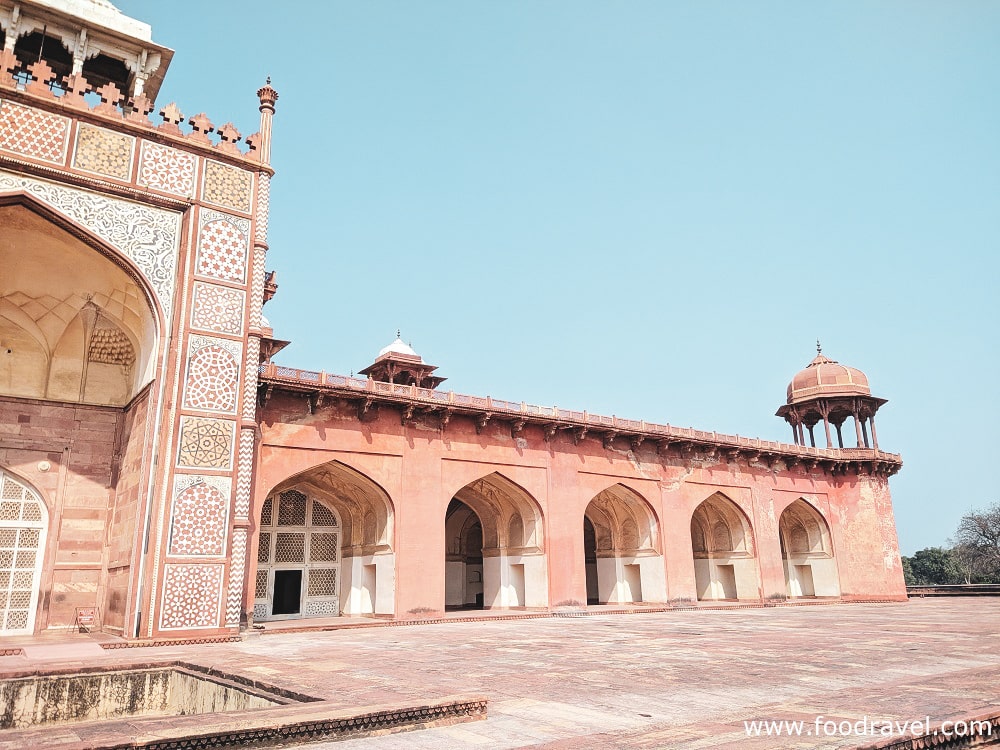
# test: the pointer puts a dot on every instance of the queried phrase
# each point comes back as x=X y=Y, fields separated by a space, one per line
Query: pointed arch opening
x=325 y=547
x=75 y=325
x=621 y=549
x=23 y=523
x=807 y=552
x=725 y=561
x=494 y=556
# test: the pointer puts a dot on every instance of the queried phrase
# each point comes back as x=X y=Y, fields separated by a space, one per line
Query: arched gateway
x=807 y=552
x=494 y=557
x=324 y=547
x=620 y=538
x=725 y=562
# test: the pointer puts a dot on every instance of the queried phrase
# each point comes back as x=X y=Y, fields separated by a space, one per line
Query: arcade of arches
x=161 y=477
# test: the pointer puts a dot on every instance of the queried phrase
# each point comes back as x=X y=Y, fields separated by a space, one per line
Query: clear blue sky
x=649 y=209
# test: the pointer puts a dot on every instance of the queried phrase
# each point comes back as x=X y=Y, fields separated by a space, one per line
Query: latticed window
x=298 y=558
x=292 y=509
x=22 y=528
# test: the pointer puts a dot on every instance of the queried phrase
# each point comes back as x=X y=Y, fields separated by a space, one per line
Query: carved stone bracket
x=483 y=420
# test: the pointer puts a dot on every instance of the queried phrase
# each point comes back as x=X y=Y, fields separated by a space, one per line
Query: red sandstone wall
x=77 y=442
x=421 y=467
x=124 y=521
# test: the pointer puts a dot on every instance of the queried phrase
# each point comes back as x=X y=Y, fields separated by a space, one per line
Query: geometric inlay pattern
x=191 y=596
x=258 y=272
x=148 y=236
x=250 y=379
x=199 y=521
x=218 y=308
x=234 y=600
x=206 y=443
x=222 y=247
x=167 y=169
x=104 y=152
x=213 y=380
x=32 y=132
x=263 y=206
x=227 y=186
x=244 y=472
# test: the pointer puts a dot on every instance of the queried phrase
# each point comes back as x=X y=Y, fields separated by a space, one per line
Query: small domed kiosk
x=398 y=363
x=830 y=392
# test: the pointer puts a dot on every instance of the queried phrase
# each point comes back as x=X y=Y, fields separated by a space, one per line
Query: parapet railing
x=520 y=409
x=108 y=101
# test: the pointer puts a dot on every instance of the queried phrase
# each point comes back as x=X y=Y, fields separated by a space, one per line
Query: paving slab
x=685 y=679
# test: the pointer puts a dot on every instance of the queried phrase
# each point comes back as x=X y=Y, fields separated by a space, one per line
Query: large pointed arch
x=328 y=504
x=80 y=321
x=723 y=548
x=807 y=551
x=622 y=552
x=494 y=554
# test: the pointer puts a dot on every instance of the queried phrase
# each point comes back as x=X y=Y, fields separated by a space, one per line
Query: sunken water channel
x=166 y=690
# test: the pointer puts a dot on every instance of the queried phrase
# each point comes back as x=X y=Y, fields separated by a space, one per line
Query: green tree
x=932 y=566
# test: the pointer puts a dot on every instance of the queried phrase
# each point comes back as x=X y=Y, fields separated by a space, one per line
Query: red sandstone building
x=159 y=472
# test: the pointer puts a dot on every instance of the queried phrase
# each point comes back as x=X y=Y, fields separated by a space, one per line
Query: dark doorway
x=590 y=560
x=287 y=592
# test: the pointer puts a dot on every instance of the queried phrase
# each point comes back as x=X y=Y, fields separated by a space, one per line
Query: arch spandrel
x=141 y=237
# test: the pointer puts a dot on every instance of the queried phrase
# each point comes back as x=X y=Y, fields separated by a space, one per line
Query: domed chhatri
x=829 y=391
x=399 y=363
x=827 y=377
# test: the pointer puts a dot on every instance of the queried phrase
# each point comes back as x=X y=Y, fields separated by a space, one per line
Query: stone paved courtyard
x=684 y=679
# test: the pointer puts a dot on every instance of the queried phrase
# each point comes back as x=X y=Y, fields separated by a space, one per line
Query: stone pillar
x=238 y=599
x=871 y=419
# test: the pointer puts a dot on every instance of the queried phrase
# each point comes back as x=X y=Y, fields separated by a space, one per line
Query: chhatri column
x=855 y=412
x=871 y=420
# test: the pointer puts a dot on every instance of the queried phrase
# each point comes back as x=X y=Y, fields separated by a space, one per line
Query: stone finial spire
x=268 y=96
x=819 y=349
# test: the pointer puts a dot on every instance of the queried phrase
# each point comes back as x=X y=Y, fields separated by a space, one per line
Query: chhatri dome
x=398 y=347
x=827 y=377
x=398 y=363
x=829 y=392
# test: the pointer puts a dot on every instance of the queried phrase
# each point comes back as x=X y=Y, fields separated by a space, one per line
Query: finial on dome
x=819 y=349
x=398 y=334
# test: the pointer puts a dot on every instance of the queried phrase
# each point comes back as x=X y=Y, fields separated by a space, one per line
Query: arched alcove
x=807 y=552
x=621 y=549
x=494 y=555
x=74 y=325
x=722 y=544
